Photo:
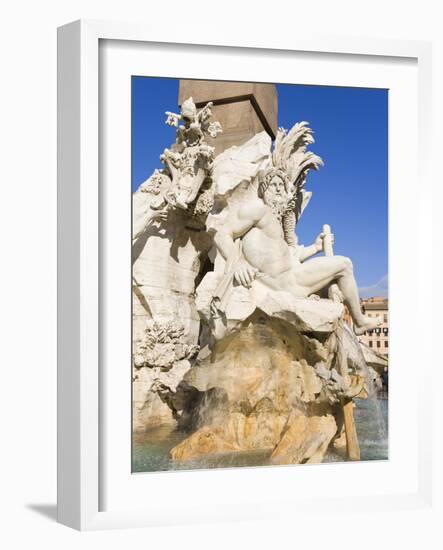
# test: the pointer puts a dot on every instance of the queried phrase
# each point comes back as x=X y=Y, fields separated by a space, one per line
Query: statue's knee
x=346 y=264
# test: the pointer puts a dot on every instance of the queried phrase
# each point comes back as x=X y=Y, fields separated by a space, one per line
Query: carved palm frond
x=292 y=157
x=290 y=153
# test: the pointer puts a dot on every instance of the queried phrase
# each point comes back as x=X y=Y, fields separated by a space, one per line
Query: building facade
x=378 y=338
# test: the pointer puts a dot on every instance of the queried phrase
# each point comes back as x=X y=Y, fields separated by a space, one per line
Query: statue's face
x=275 y=193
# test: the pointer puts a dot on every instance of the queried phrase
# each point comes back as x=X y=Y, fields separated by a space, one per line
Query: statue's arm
x=300 y=252
x=238 y=223
x=224 y=241
x=306 y=252
x=236 y=226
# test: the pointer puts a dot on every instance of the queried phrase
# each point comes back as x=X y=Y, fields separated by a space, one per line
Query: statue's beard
x=277 y=204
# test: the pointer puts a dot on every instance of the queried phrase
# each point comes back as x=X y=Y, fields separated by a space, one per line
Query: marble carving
x=239 y=335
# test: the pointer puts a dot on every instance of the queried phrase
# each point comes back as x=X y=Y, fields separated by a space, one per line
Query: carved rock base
x=260 y=390
x=305 y=440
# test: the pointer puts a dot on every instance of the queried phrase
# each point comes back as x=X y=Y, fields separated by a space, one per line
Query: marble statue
x=263 y=256
x=190 y=157
x=151 y=211
x=169 y=248
x=239 y=335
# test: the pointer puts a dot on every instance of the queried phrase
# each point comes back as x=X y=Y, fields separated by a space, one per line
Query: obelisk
x=242 y=108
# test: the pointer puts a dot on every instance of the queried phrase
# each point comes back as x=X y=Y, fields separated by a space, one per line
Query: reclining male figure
x=267 y=257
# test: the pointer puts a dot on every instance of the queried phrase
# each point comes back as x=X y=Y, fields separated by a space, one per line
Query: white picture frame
x=82 y=437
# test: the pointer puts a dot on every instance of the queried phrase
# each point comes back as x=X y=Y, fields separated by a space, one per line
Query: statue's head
x=188 y=111
x=273 y=188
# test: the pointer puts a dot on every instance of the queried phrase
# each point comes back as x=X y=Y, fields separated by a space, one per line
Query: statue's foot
x=368 y=324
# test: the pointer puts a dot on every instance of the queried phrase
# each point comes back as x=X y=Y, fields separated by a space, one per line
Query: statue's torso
x=265 y=248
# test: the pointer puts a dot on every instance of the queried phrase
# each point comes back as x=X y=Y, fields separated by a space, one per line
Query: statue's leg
x=319 y=273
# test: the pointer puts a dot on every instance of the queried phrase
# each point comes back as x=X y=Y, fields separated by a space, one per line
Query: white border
x=79 y=320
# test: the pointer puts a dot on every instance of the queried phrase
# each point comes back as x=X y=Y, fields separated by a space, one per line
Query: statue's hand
x=318 y=243
x=244 y=273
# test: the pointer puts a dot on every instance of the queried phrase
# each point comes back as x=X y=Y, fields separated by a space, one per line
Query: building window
x=370 y=343
x=385 y=318
x=378 y=343
x=386 y=343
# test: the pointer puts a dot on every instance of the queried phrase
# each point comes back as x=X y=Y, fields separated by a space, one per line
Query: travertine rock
x=163 y=292
x=149 y=410
x=254 y=380
x=305 y=440
x=163 y=345
x=205 y=441
x=305 y=315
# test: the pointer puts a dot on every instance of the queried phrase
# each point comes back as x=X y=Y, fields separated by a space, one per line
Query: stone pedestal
x=243 y=109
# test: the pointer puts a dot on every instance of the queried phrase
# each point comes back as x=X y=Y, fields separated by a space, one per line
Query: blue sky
x=349 y=193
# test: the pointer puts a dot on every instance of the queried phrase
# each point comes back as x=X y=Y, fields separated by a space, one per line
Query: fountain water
x=371 y=413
